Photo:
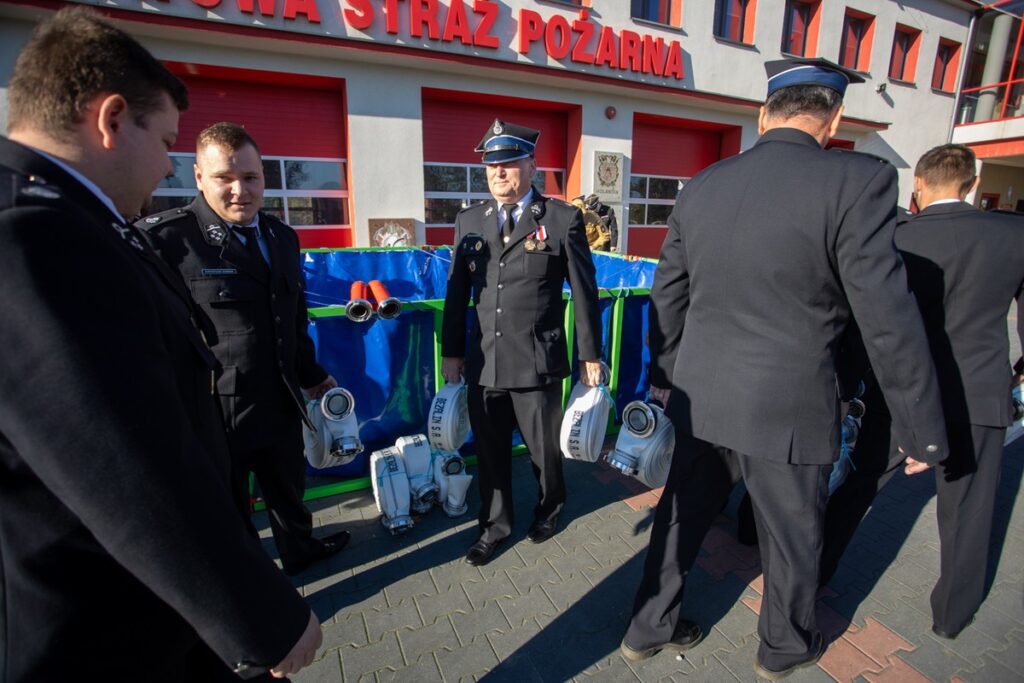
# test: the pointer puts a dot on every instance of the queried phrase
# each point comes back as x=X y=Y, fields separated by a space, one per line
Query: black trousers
x=789 y=507
x=966 y=484
x=281 y=472
x=493 y=414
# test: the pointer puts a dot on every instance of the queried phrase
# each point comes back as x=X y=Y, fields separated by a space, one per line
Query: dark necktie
x=252 y=245
x=510 y=223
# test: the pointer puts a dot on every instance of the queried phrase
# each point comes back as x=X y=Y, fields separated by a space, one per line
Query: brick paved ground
x=410 y=609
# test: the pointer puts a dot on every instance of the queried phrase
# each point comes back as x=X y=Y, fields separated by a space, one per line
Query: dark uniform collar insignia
x=41 y=191
x=153 y=219
x=215 y=234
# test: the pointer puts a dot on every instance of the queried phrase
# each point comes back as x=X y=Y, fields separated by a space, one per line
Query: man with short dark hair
x=964 y=267
x=768 y=256
x=122 y=556
x=242 y=267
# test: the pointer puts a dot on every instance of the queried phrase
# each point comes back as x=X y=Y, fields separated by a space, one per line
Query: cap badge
x=497 y=128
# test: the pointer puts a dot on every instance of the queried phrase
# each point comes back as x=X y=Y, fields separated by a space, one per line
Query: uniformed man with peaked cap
x=769 y=254
x=513 y=254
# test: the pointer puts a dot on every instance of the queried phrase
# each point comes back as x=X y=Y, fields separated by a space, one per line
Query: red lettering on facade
x=585 y=31
x=266 y=7
x=607 y=52
x=482 y=37
x=293 y=8
x=391 y=16
x=674 y=61
x=654 y=55
x=424 y=13
x=531 y=28
x=360 y=14
x=208 y=4
x=457 y=24
x=557 y=39
x=629 y=51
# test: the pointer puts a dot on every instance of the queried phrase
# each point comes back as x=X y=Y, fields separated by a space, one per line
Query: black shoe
x=951 y=635
x=541 y=531
x=328 y=546
x=772 y=675
x=686 y=635
x=481 y=552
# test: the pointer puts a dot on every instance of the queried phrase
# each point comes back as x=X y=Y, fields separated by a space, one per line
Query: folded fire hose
x=586 y=421
x=391 y=489
x=645 y=444
x=448 y=419
x=335 y=440
x=418 y=468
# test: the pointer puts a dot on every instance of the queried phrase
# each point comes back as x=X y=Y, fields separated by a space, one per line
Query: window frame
x=647 y=201
x=908 y=73
x=810 y=32
x=945 y=80
x=469 y=197
x=746 y=18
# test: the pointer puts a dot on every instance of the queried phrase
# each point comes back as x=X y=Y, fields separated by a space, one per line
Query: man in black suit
x=513 y=254
x=242 y=267
x=123 y=558
x=768 y=255
x=965 y=267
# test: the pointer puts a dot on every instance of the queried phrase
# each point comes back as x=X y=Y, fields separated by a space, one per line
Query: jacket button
x=501 y=286
x=497 y=334
x=277 y=318
x=273 y=297
x=501 y=264
x=931 y=448
x=280 y=342
x=222 y=293
x=497 y=310
x=280 y=363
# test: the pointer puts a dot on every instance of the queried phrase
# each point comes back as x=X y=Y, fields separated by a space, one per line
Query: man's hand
x=320 y=389
x=451 y=369
x=591 y=374
x=660 y=395
x=914 y=466
x=303 y=652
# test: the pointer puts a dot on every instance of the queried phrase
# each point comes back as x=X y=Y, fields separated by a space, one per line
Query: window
x=855 y=45
x=947 y=58
x=734 y=20
x=659 y=11
x=903 y=61
x=449 y=188
x=651 y=198
x=800 y=29
x=301 y=192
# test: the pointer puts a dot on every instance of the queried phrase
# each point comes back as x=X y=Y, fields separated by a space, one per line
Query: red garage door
x=453 y=124
x=300 y=128
x=666 y=153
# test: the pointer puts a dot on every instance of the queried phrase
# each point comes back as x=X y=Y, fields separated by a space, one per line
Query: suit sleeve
x=875 y=281
x=309 y=371
x=456 y=299
x=92 y=405
x=583 y=281
x=670 y=300
x=1018 y=367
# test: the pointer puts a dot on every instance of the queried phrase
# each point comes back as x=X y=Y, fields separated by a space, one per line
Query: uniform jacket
x=767 y=255
x=517 y=338
x=119 y=541
x=258 y=314
x=965 y=266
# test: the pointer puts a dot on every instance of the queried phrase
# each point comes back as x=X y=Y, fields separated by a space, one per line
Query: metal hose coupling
x=387 y=306
x=358 y=309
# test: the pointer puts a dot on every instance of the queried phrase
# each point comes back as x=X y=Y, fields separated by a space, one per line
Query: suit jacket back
x=965 y=267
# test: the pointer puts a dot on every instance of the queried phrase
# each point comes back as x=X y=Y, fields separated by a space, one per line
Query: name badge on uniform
x=219 y=271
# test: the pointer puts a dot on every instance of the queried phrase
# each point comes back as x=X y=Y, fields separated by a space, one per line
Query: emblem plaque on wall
x=608 y=176
x=392 y=232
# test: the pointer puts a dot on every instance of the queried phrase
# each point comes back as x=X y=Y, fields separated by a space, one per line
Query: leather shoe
x=541 y=531
x=481 y=552
x=326 y=547
x=687 y=635
x=772 y=675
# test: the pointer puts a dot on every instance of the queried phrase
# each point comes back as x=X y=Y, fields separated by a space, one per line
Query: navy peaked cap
x=783 y=73
x=507 y=142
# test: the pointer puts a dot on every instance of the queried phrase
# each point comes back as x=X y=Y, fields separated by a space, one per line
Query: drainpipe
x=963 y=69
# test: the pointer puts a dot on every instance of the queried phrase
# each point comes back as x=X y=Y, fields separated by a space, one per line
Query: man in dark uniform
x=242 y=267
x=121 y=555
x=513 y=254
x=768 y=255
x=964 y=267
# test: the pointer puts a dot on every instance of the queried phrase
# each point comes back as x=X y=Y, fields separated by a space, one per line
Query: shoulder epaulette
x=857 y=152
x=162 y=217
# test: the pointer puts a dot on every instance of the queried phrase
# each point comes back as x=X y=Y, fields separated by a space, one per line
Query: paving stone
x=615 y=671
x=886 y=591
x=1011 y=657
x=518 y=668
x=481 y=621
x=573 y=563
x=434 y=606
x=427 y=639
x=379 y=622
x=467 y=662
x=575 y=538
x=566 y=593
x=490 y=590
x=424 y=669
x=523 y=608
x=1007 y=598
x=361 y=600
x=506 y=559
x=413 y=585
x=898 y=671
x=844 y=662
x=526 y=578
x=506 y=643
x=971 y=644
x=933 y=660
x=323 y=607
x=454 y=573
x=533 y=553
x=327 y=669
x=347 y=629
x=357 y=662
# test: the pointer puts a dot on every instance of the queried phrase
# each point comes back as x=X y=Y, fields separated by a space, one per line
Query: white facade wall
x=383 y=90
